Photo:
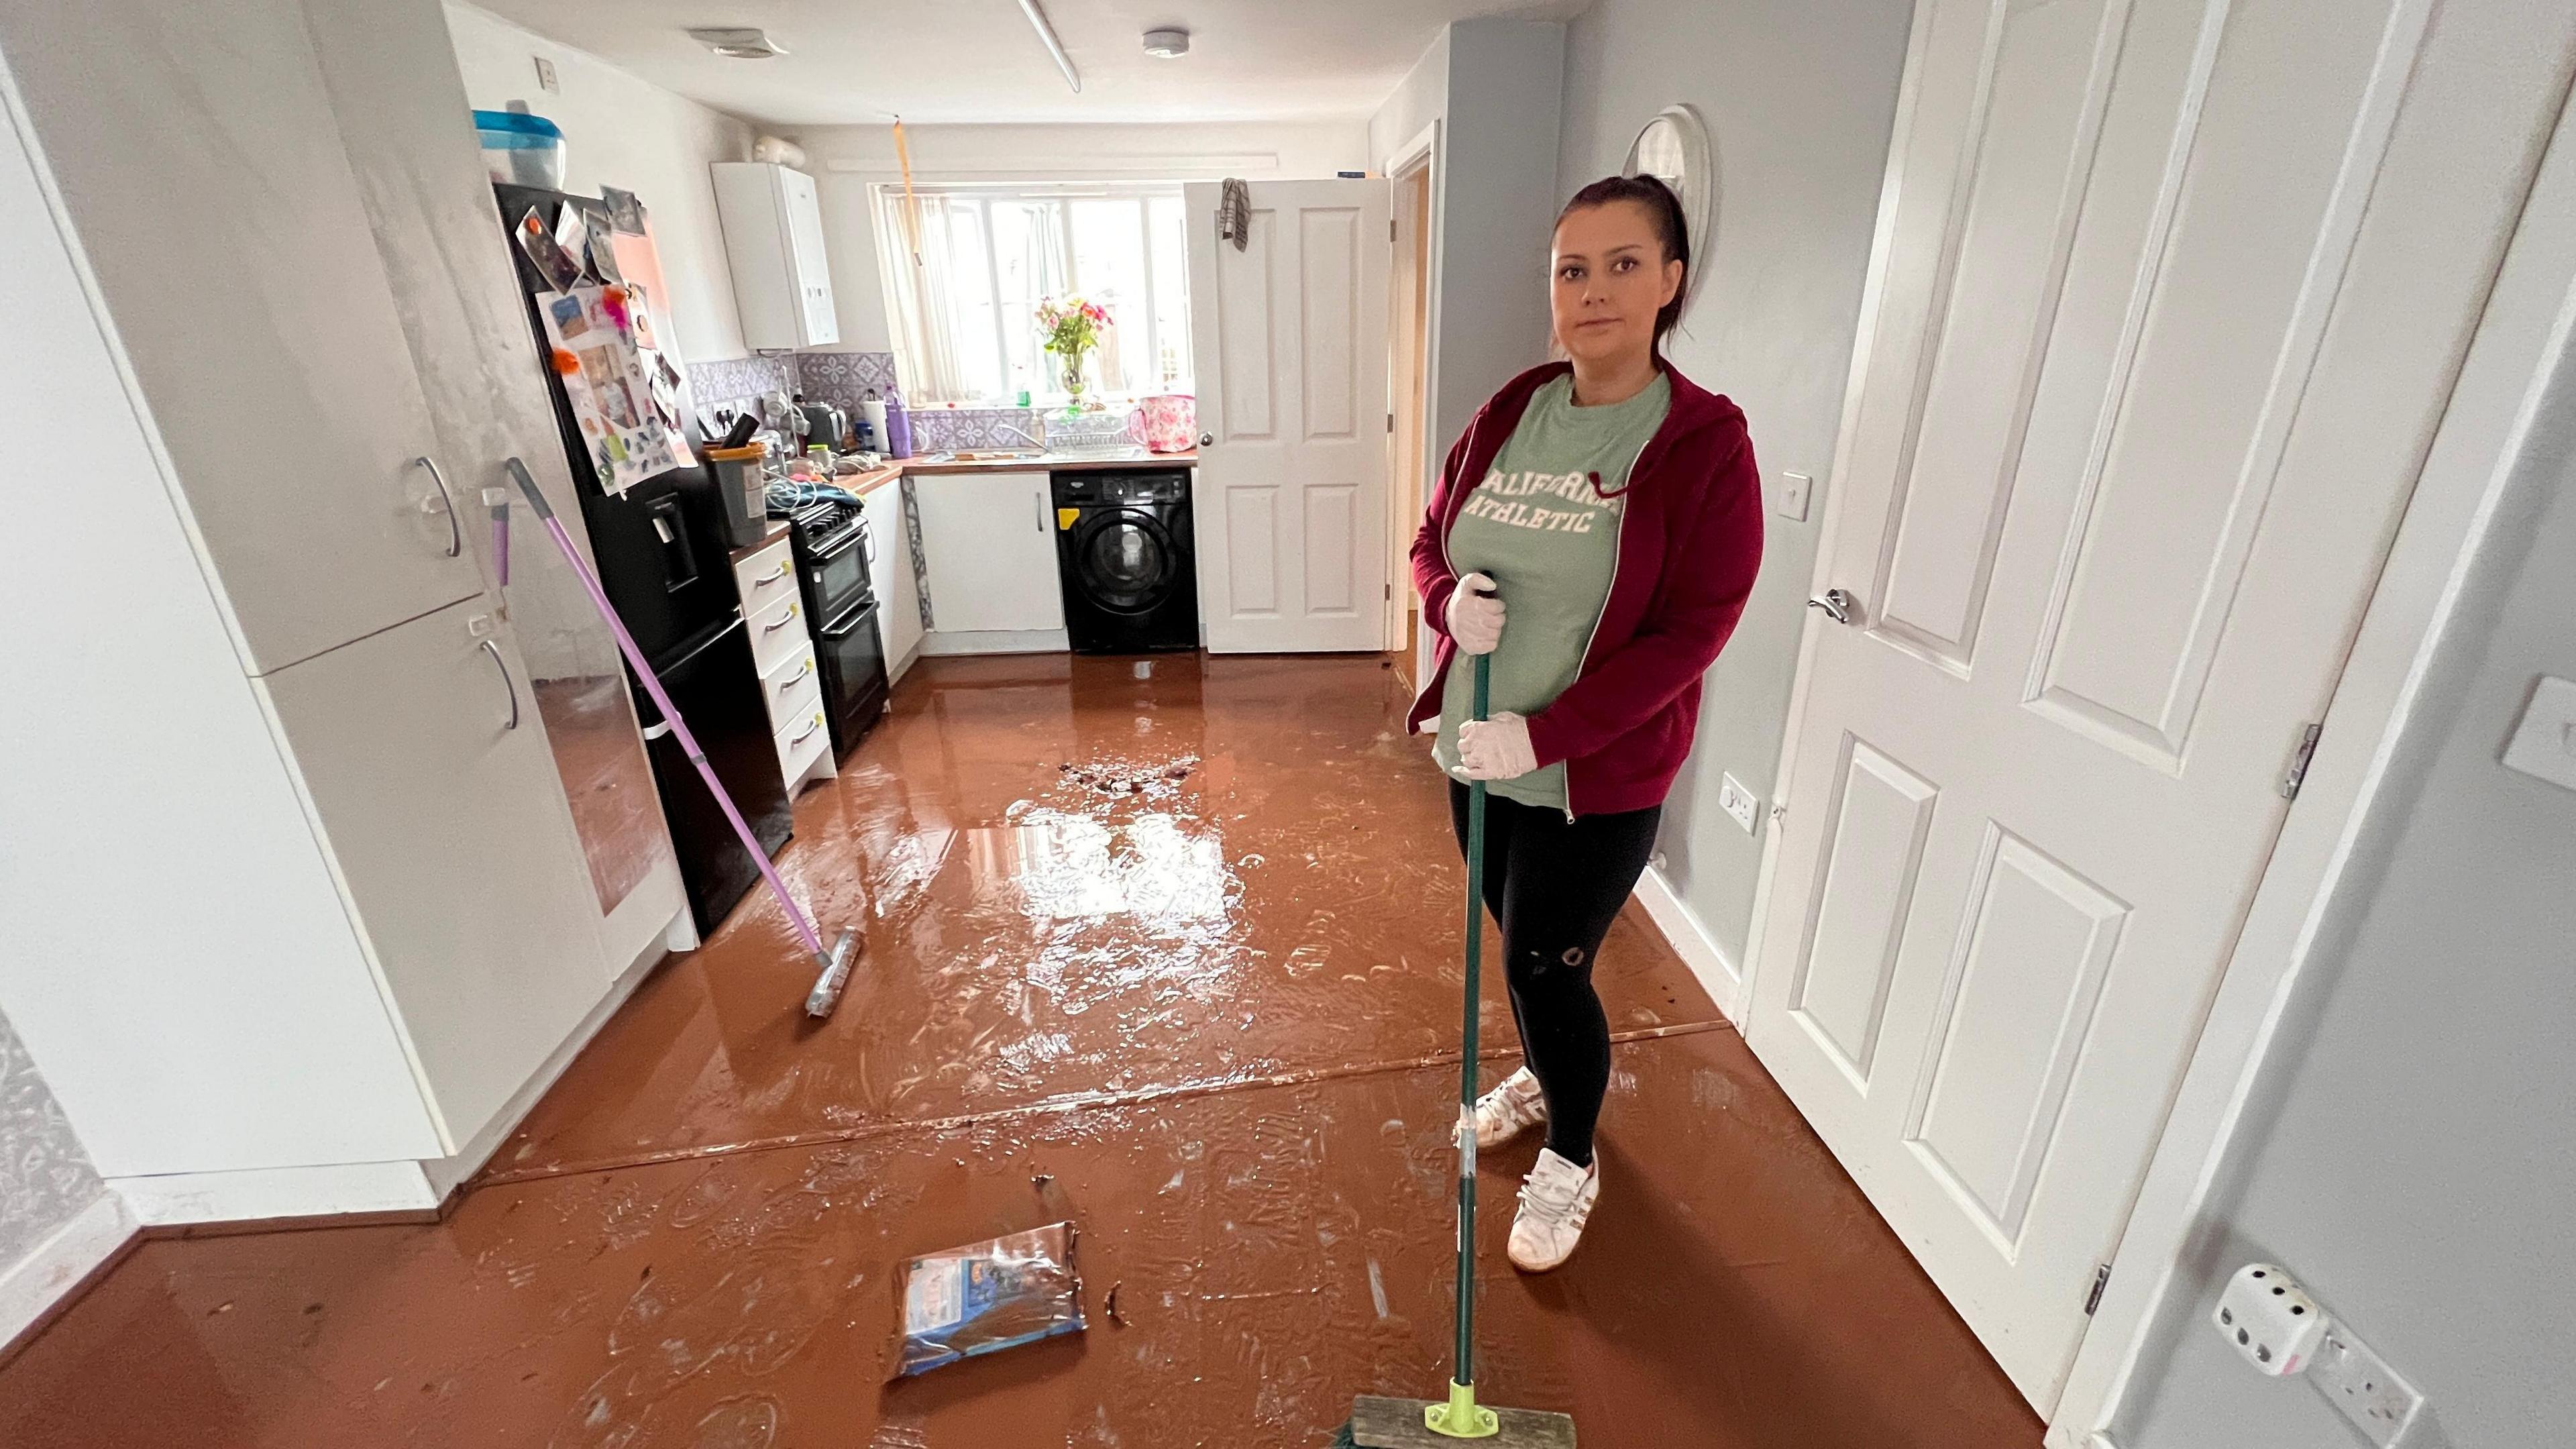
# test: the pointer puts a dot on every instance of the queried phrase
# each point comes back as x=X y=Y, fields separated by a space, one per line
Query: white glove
x=1476 y=615
x=1495 y=749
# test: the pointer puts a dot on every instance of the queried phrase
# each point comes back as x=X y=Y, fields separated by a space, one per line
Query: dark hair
x=1664 y=209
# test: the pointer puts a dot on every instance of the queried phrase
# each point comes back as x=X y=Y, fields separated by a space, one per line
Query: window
x=966 y=316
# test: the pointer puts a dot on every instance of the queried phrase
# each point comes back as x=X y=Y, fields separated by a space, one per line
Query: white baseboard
x=264 y=1194
x=1691 y=941
x=996 y=641
x=35 y=1283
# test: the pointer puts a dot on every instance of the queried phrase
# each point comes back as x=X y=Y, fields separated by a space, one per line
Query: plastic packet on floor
x=960 y=1303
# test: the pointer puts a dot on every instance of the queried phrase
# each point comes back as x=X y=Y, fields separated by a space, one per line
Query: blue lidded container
x=521 y=149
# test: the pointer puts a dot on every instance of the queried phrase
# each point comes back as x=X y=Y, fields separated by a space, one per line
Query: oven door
x=836 y=570
x=851 y=654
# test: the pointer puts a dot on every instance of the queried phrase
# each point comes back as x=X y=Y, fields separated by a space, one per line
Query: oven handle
x=827 y=550
x=848 y=623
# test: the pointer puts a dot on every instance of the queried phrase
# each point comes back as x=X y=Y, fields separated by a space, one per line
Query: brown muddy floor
x=1170 y=953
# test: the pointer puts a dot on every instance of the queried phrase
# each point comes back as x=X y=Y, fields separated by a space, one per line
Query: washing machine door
x=1123 y=560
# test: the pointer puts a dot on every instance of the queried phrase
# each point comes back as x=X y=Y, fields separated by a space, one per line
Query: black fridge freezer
x=667 y=568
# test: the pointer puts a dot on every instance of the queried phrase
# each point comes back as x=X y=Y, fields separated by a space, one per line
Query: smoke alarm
x=1167 y=43
x=739 y=42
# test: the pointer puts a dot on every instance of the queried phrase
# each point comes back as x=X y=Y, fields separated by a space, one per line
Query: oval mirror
x=1673 y=148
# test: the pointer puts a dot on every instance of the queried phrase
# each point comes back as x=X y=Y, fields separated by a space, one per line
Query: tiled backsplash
x=735 y=381
x=939 y=429
x=844 y=379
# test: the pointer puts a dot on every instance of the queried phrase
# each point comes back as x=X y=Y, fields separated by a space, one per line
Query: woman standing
x=1610 y=510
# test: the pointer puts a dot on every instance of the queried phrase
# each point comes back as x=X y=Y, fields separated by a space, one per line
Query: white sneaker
x=1556 y=1201
x=1509 y=1110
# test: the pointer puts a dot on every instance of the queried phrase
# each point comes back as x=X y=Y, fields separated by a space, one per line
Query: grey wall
x=1799 y=99
x=2407 y=1150
x=45 y=1178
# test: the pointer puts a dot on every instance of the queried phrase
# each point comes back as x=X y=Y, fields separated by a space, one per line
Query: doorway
x=1409 y=347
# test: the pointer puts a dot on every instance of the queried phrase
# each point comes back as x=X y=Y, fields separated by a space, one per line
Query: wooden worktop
x=1047 y=463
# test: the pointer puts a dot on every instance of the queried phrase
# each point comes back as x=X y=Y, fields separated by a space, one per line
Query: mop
x=1382 y=1423
x=834 y=963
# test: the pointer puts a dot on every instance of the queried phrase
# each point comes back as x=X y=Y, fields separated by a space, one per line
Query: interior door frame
x=1420 y=155
x=2528 y=320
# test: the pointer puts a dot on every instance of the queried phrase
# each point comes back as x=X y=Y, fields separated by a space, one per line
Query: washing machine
x=1129 y=566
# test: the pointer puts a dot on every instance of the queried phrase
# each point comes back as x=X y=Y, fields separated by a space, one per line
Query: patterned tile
x=844 y=379
x=45 y=1178
x=730 y=382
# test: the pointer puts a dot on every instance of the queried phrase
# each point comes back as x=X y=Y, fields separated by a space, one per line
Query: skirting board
x=32 y=1287
x=997 y=641
x=1691 y=941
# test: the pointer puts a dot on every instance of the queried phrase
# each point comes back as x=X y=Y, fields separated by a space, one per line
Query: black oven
x=833 y=552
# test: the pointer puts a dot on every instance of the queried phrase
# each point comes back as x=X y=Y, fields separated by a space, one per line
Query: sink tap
x=1037 y=443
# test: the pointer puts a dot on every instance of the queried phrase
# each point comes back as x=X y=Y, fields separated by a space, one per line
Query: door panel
x=1292 y=489
x=2169 y=305
x=466 y=878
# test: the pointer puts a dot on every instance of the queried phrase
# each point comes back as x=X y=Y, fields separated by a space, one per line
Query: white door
x=2170 y=298
x=988 y=550
x=1290 y=341
x=437 y=796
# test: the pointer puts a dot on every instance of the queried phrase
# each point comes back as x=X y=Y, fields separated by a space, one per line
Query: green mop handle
x=1466 y=1374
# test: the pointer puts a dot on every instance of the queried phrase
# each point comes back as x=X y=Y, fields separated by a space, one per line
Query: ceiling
x=860 y=61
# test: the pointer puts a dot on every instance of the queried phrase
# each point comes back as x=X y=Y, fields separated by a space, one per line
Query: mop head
x=835 y=975
x=1398 y=1424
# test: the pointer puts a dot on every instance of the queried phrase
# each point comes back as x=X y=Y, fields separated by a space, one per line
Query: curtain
x=917 y=303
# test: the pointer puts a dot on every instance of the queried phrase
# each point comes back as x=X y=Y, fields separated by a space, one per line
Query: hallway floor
x=1167 y=950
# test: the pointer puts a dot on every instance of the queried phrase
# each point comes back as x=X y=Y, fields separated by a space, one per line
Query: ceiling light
x=739 y=42
x=1167 y=42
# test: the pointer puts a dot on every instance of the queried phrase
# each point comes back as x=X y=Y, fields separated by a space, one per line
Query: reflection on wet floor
x=1168 y=952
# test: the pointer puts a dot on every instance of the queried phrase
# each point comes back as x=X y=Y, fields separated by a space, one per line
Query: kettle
x=825 y=424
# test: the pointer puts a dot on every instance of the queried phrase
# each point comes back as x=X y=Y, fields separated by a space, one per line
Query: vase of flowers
x=1071 y=327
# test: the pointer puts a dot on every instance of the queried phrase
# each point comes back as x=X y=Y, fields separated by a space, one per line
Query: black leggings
x=1555 y=885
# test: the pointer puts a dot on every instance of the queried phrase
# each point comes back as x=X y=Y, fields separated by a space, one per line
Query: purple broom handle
x=670 y=712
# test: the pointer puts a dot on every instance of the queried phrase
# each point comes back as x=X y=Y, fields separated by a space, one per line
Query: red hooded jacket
x=1690 y=543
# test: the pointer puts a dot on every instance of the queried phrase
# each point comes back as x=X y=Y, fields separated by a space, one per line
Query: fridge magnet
x=573 y=235
x=560 y=271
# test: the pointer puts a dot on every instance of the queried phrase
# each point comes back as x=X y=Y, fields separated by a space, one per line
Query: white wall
x=1421 y=98
x=621 y=131
x=846 y=160
x=2405 y=1148
x=1799 y=99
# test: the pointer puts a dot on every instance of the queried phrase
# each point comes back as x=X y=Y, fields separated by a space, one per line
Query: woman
x=1610 y=510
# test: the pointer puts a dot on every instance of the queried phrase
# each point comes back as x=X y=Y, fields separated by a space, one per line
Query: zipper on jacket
x=1618 y=541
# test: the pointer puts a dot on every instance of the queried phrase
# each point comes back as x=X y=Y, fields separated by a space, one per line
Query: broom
x=834 y=962
x=1383 y=1423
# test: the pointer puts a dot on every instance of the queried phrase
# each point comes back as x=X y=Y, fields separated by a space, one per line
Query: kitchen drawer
x=790 y=687
x=778 y=633
x=766 y=577
x=801 y=740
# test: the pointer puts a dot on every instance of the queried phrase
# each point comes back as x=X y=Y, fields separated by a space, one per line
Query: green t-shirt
x=1550 y=541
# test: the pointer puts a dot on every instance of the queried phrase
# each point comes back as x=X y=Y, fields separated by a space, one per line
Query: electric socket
x=1737 y=801
x=2360 y=1383
x=2271 y=1320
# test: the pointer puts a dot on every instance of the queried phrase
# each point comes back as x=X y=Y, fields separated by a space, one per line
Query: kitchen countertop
x=777 y=530
x=1048 y=462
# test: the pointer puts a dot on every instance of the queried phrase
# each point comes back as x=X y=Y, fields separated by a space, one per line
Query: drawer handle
x=506 y=681
x=657 y=729
x=455 y=530
x=783 y=621
x=798 y=677
x=765 y=580
x=809 y=731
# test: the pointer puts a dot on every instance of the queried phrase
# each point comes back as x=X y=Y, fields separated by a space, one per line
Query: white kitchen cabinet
x=988 y=551
x=890 y=571
x=431 y=780
x=773 y=231
x=200 y=163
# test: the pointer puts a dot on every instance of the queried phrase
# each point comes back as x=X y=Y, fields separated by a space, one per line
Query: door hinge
x=1390 y=591
x=2297 y=775
x=2101 y=1280
x=1390 y=231
x=1390 y=422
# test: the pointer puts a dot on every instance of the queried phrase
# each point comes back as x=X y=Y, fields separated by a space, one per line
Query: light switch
x=1794 y=488
x=2545 y=745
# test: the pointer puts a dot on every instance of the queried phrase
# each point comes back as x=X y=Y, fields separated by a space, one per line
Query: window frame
x=1060 y=196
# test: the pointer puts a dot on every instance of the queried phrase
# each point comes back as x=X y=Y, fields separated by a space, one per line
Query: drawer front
x=766 y=578
x=801 y=740
x=790 y=687
x=778 y=634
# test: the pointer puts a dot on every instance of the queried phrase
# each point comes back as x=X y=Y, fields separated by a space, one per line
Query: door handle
x=1207 y=440
x=455 y=530
x=507 y=682
x=657 y=729
x=1040 y=500
x=1838 y=605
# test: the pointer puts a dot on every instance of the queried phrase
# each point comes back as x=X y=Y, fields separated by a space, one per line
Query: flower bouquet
x=1071 y=326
